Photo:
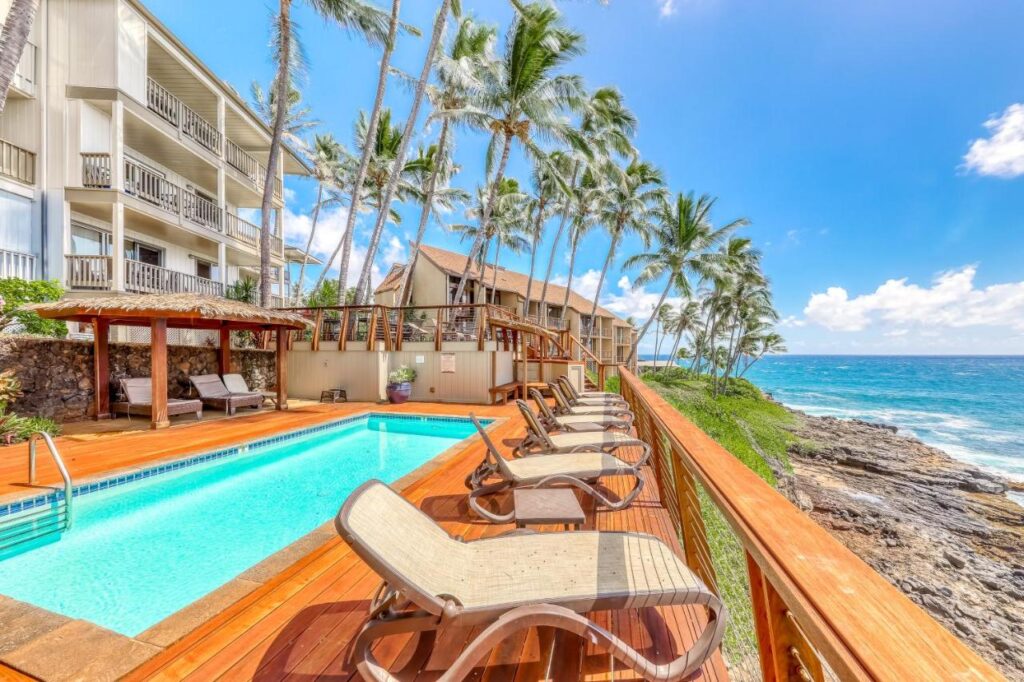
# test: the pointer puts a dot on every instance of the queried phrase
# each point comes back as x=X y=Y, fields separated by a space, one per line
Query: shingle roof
x=508 y=280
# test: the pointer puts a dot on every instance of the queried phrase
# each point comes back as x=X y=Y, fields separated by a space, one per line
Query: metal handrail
x=60 y=467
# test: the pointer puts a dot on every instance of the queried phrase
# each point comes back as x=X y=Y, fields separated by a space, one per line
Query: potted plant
x=400 y=384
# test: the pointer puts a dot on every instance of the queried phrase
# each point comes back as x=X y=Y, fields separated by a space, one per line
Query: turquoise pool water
x=141 y=551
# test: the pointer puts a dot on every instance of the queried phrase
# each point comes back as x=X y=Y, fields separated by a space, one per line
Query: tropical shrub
x=402 y=375
x=14 y=428
x=14 y=293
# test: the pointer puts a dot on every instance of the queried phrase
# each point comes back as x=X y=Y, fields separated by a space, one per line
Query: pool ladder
x=21 y=527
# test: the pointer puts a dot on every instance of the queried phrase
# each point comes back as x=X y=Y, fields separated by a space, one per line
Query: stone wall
x=57 y=375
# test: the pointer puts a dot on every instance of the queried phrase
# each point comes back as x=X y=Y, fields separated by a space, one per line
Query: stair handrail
x=59 y=461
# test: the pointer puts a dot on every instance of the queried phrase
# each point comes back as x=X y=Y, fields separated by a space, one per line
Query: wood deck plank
x=301 y=622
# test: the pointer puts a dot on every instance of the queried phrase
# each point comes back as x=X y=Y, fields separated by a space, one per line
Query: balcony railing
x=96 y=272
x=178 y=114
x=202 y=211
x=89 y=272
x=96 y=171
x=144 y=278
x=802 y=605
x=17 y=264
x=249 y=233
x=17 y=163
x=151 y=188
x=244 y=162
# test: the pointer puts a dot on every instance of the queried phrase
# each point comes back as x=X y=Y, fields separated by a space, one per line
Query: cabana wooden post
x=161 y=312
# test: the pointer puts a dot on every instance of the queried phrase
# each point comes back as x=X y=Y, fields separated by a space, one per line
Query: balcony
x=155 y=190
x=17 y=163
x=249 y=233
x=242 y=161
x=95 y=273
x=17 y=264
x=178 y=114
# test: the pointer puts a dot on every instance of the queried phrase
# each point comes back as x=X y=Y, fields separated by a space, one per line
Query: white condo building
x=126 y=165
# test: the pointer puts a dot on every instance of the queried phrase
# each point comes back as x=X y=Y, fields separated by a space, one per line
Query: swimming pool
x=138 y=552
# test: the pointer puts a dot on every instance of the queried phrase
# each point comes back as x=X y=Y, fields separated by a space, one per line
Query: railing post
x=784 y=652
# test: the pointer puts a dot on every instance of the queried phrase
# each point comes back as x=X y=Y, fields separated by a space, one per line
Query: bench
x=504 y=391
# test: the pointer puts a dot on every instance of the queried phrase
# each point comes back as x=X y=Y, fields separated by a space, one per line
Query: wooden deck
x=299 y=625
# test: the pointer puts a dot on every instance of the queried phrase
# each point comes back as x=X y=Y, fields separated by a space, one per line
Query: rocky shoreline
x=941 y=530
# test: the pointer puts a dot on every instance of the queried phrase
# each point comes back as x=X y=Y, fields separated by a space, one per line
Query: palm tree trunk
x=363 y=292
x=494 y=275
x=345 y=243
x=492 y=194
x=568 y=283
x=428 y=204
x=309 y=242
x=554 y=247
x=13 y=37
x=283 y=85
x=600 y=281
x=533 y=263
x=654 y=313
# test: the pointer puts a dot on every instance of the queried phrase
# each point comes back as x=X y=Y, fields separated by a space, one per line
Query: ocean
x=970 y=407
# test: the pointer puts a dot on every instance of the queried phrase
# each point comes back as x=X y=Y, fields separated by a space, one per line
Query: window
x=16 y=219
x=206 y=269
x=142 y=253
x=88 y=241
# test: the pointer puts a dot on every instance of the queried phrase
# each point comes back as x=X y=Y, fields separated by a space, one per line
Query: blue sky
x=852 y=135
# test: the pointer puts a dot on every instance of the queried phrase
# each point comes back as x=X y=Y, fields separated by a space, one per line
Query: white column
x=280 y=284
x=279 y=223
x=222 y=263
x=117 y=145
x=117 y=244
x=222 y=199
x=221 y=121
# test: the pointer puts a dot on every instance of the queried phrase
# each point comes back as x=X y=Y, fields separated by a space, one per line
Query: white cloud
x=330 y=227
x=951 y=302
x=1001 y=153
x=667 y=8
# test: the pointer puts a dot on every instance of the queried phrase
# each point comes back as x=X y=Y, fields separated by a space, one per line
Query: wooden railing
x=17 y=163
x=202 y=211
x=17 y=264
x=249 y=233
x=151 y=188
x=96 y=171
x=168 y=107
x=810 y=608
x=244 y=162
x=144 y=278
x=89 y=272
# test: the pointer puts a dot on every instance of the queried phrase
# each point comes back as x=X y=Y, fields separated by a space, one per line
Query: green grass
x=723 y=418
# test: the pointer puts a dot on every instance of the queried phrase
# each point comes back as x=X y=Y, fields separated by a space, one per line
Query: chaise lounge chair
x=235 y=383
x=582 y=395
x=574 y=397
x=214 y=393
x=578 y=469
x=576 y=422
x=564 y=407
x=509 y=583
x=138 y=399
x=537 y=440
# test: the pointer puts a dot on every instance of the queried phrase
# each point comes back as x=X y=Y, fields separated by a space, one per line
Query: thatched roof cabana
x=177 y=311
x=188 y=311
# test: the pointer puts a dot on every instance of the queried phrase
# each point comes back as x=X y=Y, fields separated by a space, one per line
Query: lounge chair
x=574 y=398
x=506 y=584
x=235 y=383
x=580 y=395
x=537 y=440
x=577 y=469
x=138 y=399
x=214 y=393
x=575 y=422
x=564 y=407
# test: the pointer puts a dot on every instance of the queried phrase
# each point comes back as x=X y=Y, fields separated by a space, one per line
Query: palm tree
x=628 y=207
x=765 y=344
x=524 y=98
x=663 y=314
x=587 y=198
x=353 y=15
x=18 y=24
x=298 y=121
x=547 y=190
x=458 y=74
x=606 y=126
x=684 y=321
x=325 y=158
x=345 y=242
x=683 y=233
x=363 y=286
